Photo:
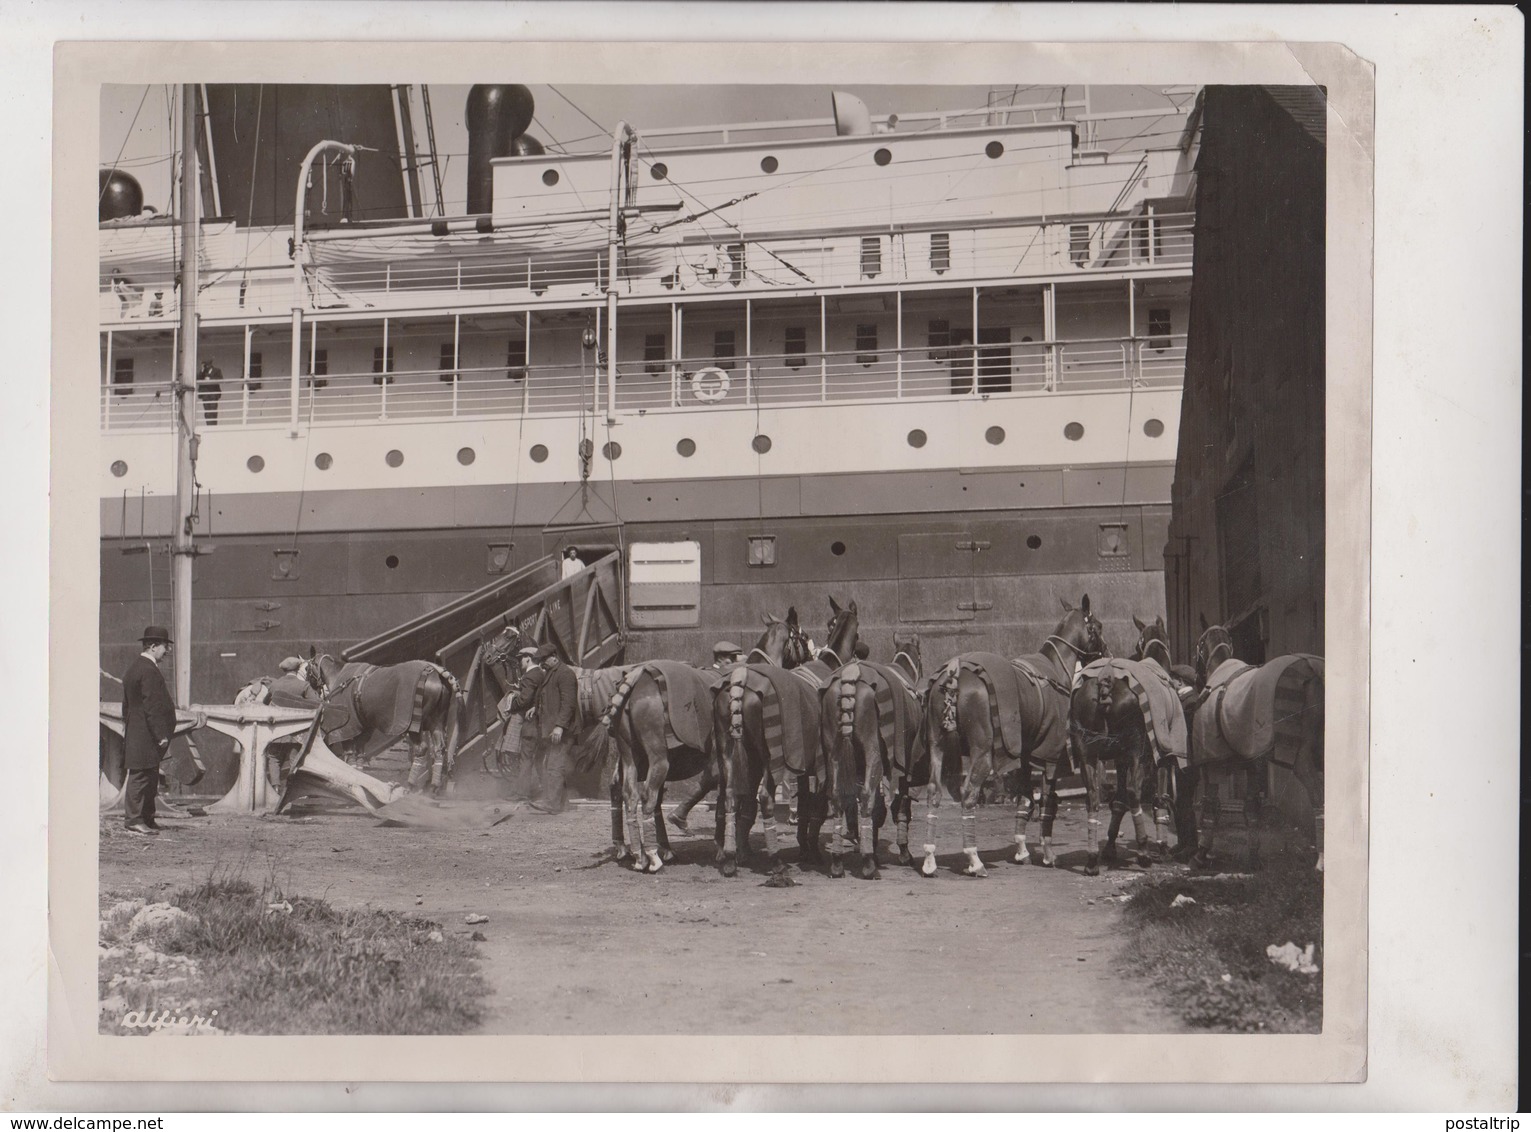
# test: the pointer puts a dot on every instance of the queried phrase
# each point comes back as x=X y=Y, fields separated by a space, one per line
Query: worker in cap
x=148 y=718
x=725 y=654
x=519 y=744
x=557 y=705
x=291 y=664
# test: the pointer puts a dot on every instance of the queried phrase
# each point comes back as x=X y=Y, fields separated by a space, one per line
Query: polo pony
x=366 y=708
x=1248 y=715
x=986 y=715
x=871 y=732
x=1129 y=712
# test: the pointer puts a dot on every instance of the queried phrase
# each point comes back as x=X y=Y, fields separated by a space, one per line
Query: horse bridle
x=1146 y=643
x=1092 y=632
x=1204 y=654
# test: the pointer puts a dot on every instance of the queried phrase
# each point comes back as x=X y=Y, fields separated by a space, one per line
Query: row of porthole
x=768 y=164
x=917 y=438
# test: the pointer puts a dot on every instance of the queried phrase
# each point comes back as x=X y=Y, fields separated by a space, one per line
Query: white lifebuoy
x=710 y=384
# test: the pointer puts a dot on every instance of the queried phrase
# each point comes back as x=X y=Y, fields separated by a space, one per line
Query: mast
x=182 y=551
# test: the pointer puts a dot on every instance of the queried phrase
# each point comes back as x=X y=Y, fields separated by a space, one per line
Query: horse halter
x=1205 y=652
x=1145 y=643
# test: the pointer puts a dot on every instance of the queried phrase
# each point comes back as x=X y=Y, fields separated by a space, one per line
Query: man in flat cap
x=518 y=710
x=148 y=718
x=557 y=708
x=725 y=654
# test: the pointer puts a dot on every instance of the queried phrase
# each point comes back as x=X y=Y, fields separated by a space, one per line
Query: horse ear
x=1084 y=605
x=1139 y=623
x=767 y=619
x=852 y=606
x=792 y=615
x=833 y=605
x=1204 y=625
x=312 y=652
x=1067 y=608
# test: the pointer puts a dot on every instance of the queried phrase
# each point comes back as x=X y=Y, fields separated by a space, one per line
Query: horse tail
x=849 y=676
x=736 y=701
x=619 y=699
x=592 y=750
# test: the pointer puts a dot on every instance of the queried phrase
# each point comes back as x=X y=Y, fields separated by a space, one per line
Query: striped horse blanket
x=1158 y=701
x=790 y=714
x=898 y=713
x=381 y=703
x=1253 y=712
x=1039 y=733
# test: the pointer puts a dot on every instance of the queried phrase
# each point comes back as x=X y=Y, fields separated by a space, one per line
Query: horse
x=1248 y=715
x=365 y=709
x=870 y=729
x=760 y=702
x=660 y=719
x=993 y=715
x=1130 y=710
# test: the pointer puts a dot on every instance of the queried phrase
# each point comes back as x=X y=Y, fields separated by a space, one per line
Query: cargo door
x=665 y=584
x=935 y=577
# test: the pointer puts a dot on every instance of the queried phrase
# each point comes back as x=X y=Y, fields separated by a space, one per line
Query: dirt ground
x=578 y=945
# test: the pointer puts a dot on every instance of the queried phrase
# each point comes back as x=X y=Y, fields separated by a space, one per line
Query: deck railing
x=913 y=373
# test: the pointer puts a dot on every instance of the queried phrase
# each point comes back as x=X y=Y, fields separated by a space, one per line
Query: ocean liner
x=932 y=361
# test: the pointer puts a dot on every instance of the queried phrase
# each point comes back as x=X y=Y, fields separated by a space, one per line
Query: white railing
x=914 y=373
x=657 y=270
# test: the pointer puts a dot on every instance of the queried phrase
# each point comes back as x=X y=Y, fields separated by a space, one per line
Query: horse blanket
x=790 y=713
x=596 y=686
x=1158 y=701
x=687 y=694
x=381 y=703
x=1251 y=712
x=898 y=714
x=1041 y=735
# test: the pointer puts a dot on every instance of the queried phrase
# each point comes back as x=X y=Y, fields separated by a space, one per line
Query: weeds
x=259 y=961
x=1211 y=955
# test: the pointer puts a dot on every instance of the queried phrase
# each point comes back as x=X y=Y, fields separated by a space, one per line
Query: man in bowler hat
x=148 y=717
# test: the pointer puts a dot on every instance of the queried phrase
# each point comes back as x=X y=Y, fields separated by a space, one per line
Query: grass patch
x=1211 y=956
x=253 y=960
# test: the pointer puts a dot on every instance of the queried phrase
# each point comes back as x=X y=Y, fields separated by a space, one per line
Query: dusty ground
x=577 y=946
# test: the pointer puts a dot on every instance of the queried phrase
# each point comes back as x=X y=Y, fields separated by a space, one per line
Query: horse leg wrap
x=1022 y=815
x=970 y=845
x=1092 y=838
x=768 y=813
x=1049 y=815
x=867 y=831
x=1118 y=812
x=616 y=819
x=1140 y=827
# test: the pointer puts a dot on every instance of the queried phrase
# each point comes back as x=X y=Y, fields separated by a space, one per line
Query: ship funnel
x=851 y=115
x=497 y=115
x=120 y=195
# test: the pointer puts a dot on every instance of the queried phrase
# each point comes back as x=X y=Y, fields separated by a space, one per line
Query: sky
x=136 y=134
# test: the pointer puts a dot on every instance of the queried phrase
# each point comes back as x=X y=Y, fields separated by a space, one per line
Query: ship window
x=319 y=369
x=550 y=178
x=871 y=257
x=769 y=164
x=659 y=171
x=395 y=458
x=256 y=370
x=940 y=337
x=795 y=346
x=994 y=149
x=539 y=453
x=654 y=353
x=1159 y=329
x=882 y=156
x=515 y=359
x=723 y=348
x=448 y=359
x=122 y=373
x=1079 y=244
x=994 y=434
x=940 y=252
x=762 y=550
x=866 y=343
x=119 y=468
x=324 y=461
x=917 y=438
x=382 y=365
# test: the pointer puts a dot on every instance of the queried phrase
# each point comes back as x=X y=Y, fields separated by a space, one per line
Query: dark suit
x=148 y=716
x=557 y=706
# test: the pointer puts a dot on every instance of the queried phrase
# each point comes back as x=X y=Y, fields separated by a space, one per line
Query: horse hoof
x=1022 y=857
x=1144 y=861
x=904 y=856
x=667 y=856
x=1049 y=861
x=654 y=863
x=728 y=867
x=836 y=867
x=679 y=824
x=869 y=871
x=1110 y=851
x=928 y=867
x=980 y=871
x=1092 y=870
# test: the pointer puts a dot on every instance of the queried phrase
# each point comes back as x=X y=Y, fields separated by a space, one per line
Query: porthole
x=1033 y=542
x=769 y=164
x=659 y=171
x=882 y=156
x=550 y=178
x=539 y=453
x=994 y=149
x=392 y=562
x=255 y=463
x=837 y=548
x=686 y=446
x=761 y=444
x=917 y=438
x=394 y=457
x=119 y=468
x=1073 y=430
x=1153 y=427
x=994 y=434
x=466 y=456
x=323 y=461
x=611 y=450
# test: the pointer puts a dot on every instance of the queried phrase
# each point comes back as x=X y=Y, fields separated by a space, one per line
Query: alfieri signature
x=166 y=1019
